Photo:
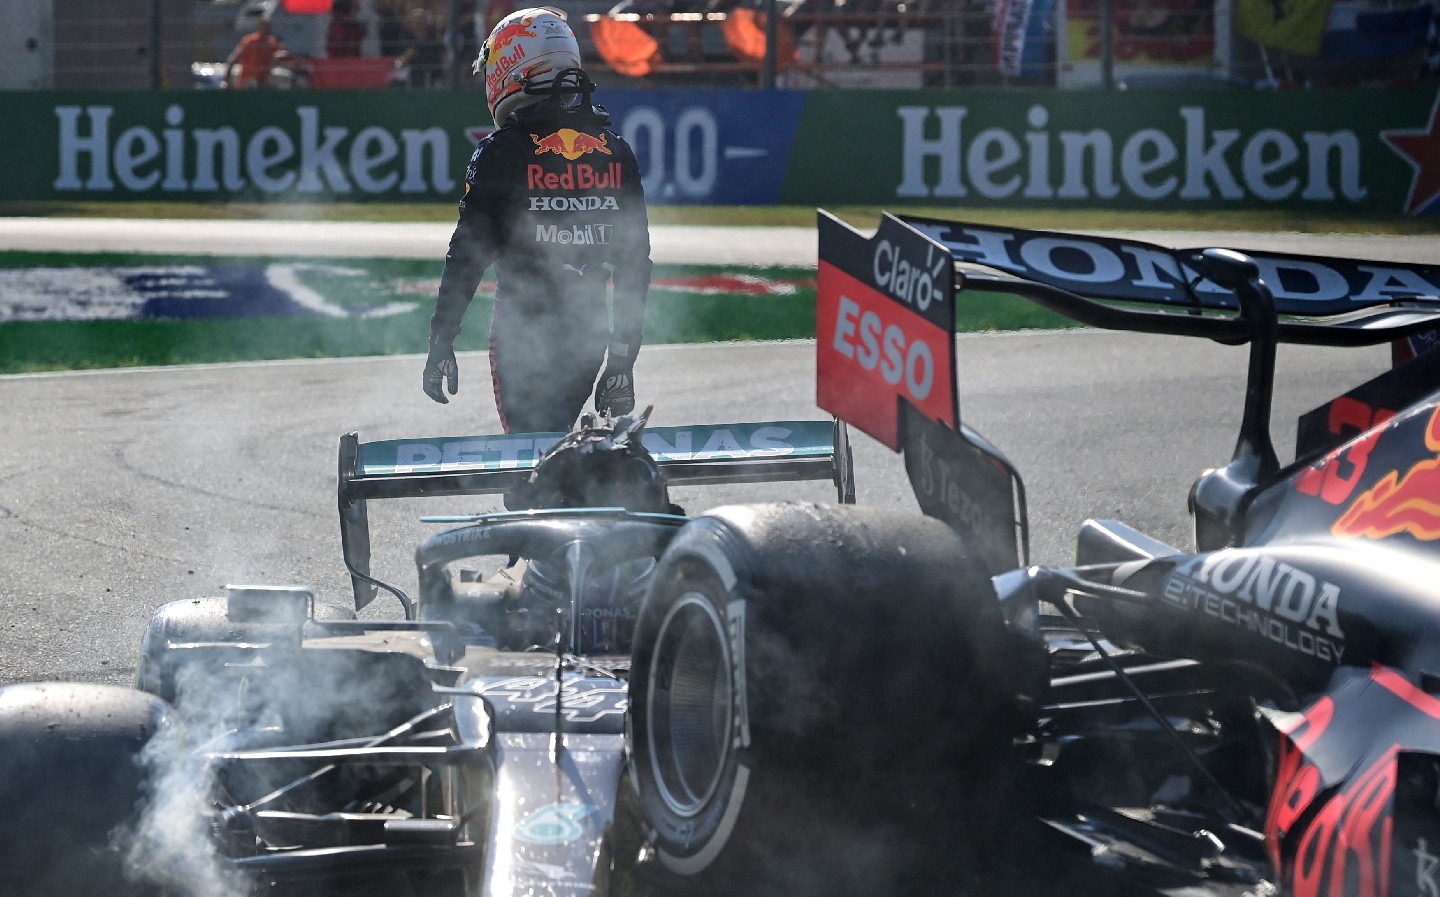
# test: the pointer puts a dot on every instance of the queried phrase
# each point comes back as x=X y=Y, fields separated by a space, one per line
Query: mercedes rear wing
x=697 y=455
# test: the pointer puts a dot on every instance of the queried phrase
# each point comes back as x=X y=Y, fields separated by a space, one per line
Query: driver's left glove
x=615 y=390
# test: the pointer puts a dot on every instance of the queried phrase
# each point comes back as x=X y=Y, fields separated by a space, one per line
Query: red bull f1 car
x=821 y=699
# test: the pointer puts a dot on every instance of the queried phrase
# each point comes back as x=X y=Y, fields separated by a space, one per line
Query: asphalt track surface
x=120 y=490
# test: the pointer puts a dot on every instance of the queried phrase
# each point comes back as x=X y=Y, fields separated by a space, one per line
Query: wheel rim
x=690 y=701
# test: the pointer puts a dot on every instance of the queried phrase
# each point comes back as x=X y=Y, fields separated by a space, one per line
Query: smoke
x=232 y=699
x=172 y=845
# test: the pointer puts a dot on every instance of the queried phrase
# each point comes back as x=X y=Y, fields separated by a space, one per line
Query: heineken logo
x=1184 y=158
x=305 y=156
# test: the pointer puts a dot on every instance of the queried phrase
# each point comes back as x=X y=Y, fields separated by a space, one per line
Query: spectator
x=464 y=42
x=425 y=56
x=346 y=33
x=394 y=36
x=255 y=55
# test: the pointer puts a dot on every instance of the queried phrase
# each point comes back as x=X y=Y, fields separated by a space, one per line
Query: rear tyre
x=73 y=782
x=807 y=681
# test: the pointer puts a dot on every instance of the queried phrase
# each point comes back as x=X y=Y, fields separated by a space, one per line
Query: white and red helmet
x=528 y=48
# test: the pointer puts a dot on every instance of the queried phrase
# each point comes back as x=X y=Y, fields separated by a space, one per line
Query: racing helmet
x=596 y=466
x=522 y=57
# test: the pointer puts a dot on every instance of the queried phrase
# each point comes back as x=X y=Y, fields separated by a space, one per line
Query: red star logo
x=1422 y=150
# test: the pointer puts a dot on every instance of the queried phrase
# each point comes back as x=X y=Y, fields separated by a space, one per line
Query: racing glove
x=440 y=365
x=615 y=391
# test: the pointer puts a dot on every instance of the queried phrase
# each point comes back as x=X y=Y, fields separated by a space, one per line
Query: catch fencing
x=817 y=44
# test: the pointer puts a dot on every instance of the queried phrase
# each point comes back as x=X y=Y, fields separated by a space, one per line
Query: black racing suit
x=552 y=198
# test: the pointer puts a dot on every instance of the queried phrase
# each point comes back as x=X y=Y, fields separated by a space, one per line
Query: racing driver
x=553 y=199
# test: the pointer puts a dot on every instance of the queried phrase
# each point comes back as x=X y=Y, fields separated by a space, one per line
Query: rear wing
x=885 y=363
x=885 y=337
x=698 y=455
x=1128 y=284
x=1123 y=284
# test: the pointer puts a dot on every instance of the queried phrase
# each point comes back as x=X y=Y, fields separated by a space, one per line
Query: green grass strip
x=674 y=315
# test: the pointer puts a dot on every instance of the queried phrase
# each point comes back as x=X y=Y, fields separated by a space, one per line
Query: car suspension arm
x=1074 y=583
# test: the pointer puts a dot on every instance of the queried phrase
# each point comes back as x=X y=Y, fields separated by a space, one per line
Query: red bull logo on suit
x=574 y=177
x=570 y=143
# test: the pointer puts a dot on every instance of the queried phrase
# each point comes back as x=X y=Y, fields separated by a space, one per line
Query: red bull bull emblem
x=570 y=143
x=499 y=62
x=508 y=35
x=1396 y=504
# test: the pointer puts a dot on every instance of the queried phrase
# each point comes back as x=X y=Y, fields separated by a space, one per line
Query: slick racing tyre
x=805 y=678
x=198 y=631
x=73 y=782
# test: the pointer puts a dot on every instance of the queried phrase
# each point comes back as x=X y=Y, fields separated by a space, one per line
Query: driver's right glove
x=440 y=365
x=615 y=391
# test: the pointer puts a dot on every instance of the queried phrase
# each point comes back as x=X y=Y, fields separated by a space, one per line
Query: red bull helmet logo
x=1400 y=504
x=570 y=143
x=506 y=36
x=497 y=73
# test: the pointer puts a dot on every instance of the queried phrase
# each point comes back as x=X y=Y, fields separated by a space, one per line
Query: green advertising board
x=244 y=145
x=1335 y=151
x=1354 y=151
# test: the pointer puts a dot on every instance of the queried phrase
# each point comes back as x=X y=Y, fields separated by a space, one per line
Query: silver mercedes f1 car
x=475 y=745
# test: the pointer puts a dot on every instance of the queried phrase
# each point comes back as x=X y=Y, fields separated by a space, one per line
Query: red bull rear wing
x=1123 y=284
x=697 y=455
x=885 y=319
x=885 y=312
x=885 y=363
